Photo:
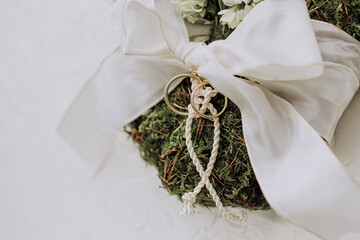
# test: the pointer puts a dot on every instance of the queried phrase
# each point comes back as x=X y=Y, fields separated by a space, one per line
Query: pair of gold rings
x=192 y=97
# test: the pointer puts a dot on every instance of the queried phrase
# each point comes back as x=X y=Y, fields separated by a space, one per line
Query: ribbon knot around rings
x=195 y=93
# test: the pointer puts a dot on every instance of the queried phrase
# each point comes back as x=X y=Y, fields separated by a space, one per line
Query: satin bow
x=302 y=76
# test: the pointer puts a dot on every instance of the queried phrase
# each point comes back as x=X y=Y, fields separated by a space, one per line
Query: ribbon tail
x=124 y=87
x=347 y=138
x=299 y=175
x=322 y=100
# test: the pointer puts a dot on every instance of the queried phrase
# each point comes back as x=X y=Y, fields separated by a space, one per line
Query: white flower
x=234 y=15
x=191 y=9
x=231 y=3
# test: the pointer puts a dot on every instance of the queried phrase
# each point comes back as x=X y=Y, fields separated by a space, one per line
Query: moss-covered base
x=160 y=133
x=161 y=138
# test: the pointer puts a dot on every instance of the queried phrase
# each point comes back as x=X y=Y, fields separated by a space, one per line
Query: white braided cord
x=190 y=198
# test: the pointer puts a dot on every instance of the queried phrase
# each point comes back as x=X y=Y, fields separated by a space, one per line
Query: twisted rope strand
x=190 y=197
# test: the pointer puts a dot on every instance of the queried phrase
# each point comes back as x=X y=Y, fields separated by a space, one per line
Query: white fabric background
x=48 y=49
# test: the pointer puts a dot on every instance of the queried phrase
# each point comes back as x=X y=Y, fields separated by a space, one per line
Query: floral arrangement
x=231 y=11
x=223 y=15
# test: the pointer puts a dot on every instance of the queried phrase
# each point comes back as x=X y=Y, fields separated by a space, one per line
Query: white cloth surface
x=48 y=51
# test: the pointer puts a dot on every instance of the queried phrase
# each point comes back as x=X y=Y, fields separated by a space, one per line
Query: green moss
x=160 y=133
x=344 y=14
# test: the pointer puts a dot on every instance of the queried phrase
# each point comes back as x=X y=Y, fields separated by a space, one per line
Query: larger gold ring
x=166 y=91
x=192 y=101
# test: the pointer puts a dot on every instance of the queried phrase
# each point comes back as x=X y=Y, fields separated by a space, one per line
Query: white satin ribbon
x=308 y=73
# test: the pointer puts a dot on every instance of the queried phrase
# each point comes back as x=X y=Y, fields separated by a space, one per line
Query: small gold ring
x=192 y=101
x=166 y=92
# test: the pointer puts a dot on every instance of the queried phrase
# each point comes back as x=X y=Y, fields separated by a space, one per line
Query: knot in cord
x=207 y=93
x=189 y=199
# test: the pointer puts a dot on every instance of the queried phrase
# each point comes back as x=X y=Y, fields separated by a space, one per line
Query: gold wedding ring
x=192 y=101
x=166 y=92
x=192 y=97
